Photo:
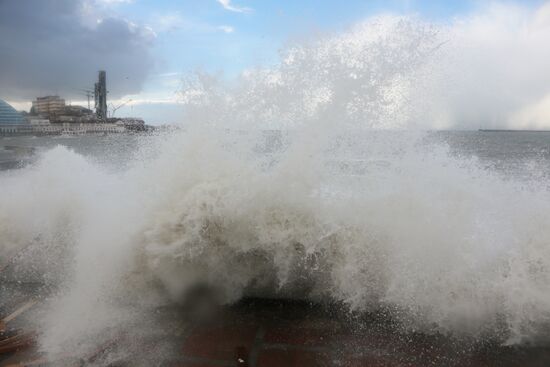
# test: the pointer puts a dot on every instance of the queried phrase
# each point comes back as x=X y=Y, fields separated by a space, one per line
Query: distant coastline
x=512 y=131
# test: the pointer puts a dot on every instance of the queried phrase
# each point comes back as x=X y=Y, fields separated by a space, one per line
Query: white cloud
x=169 y=22
x=116 y=1
x=175 y=22
x=237 y=9
x=170 y=74
x=226 y=29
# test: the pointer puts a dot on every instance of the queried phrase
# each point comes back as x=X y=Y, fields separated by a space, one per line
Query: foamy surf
x=438 y=242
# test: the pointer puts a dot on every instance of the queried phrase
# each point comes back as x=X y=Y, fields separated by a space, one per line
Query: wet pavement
x=273 y=333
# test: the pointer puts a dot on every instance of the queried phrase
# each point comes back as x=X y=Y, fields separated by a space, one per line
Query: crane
x=115 y=108
x=86 y=92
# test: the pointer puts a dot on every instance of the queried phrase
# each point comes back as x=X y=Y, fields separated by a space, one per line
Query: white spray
x=330 y=209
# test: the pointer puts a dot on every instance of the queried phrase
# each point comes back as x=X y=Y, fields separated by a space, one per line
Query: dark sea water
x=521 y=154
x=111 y=150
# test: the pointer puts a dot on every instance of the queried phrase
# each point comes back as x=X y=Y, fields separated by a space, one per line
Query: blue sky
x=205 y=34
x=148 y=46
x=227 y=37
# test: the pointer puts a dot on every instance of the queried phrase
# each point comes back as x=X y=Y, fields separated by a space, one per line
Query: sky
x=149 y=46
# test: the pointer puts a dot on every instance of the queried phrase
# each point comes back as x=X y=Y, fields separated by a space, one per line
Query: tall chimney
x=100 y=94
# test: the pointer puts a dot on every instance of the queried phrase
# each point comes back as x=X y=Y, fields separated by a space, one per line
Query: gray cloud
x=57 y=46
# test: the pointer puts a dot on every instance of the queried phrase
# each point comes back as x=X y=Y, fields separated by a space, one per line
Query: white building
x=46 y=106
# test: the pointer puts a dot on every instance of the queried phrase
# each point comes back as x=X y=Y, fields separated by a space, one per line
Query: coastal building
x=62 y=128
x=48 y=106
x=50 y=115
x=10 y=119
x=37 y=121
x=8 y=114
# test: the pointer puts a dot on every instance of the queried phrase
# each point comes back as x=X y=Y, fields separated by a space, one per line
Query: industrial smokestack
x=100 y=94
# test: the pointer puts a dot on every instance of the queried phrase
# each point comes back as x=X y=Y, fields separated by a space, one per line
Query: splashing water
x=330 y=206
